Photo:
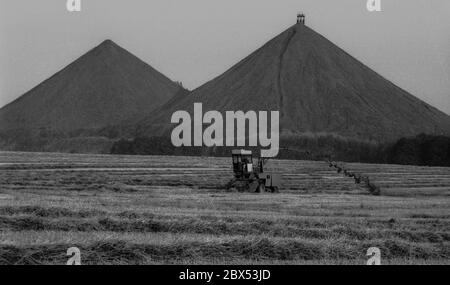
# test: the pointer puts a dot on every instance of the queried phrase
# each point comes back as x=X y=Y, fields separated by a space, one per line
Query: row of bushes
x=424 y=150
x=421 y=150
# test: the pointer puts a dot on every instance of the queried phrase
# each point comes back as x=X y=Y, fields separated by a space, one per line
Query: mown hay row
x=119 y=252
x=196 y=226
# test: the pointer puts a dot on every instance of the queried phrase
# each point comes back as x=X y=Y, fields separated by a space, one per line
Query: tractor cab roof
x=241 y=152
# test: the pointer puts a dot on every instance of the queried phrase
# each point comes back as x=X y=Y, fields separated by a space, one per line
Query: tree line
x=423 y=150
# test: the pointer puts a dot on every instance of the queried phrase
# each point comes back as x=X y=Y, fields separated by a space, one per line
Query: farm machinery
x=249 y=177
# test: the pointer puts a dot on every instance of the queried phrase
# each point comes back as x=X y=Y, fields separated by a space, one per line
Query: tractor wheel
x=261 y=187
x=253 y=187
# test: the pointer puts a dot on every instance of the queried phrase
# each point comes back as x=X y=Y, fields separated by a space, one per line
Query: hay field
x=175 y=210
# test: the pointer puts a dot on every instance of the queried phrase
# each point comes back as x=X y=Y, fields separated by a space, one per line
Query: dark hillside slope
x=317 y=87
x=103 y=87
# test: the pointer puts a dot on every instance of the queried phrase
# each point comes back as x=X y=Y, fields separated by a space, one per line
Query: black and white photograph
x=234 y=134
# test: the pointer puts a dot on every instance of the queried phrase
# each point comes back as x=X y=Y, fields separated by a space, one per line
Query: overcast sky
x=193 y=41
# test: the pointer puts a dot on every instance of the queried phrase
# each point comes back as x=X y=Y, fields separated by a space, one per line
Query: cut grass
x=127 y=212
x=121 y=252
x=197 y=226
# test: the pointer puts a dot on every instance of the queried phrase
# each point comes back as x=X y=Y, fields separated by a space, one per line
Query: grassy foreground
x=172 y=210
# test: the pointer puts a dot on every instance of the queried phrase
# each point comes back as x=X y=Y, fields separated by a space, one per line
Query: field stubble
x=175 y=210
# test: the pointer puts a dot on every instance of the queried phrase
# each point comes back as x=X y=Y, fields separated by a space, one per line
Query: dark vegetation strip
x=79 y=185
x=50 y=212
x=218 y=228
x=110 y=166
x=423 y=150
x=431 y=223
x=120 y=252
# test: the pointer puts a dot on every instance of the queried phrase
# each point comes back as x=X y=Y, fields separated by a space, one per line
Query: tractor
x=252 y=178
